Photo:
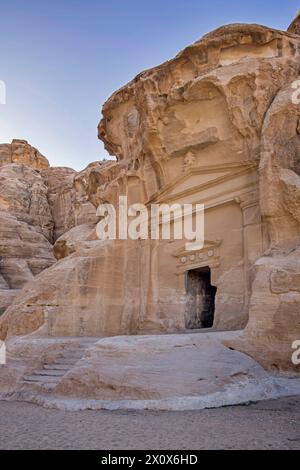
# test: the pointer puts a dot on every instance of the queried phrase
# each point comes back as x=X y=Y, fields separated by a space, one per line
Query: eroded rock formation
x=295 y=25
x=26 y=223
x=274 y=313
x=37 y=204
x=217 y=125
x=19 y=151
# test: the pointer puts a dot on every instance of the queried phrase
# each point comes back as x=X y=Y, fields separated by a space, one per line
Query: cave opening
x=200 y=305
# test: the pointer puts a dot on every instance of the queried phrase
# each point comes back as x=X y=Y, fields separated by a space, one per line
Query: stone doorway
x=200 y=306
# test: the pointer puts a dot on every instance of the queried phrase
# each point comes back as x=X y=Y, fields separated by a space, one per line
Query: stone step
x=74 y=354
x=41 y=379
x=49 y=372
x=46 y=386
x=53 y=372
x=64 y=361
x=88 y=341
x=56 y=366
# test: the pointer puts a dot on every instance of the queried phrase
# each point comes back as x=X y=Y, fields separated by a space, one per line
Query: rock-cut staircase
x=50 y=374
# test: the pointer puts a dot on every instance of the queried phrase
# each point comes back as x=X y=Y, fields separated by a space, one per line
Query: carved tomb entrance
x=200 y=305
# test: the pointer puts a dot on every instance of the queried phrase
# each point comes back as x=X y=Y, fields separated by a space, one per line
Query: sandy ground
x=265 y=425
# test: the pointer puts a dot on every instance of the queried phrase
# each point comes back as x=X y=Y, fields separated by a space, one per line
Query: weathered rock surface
x=219 y=125
x=274 y=323
x=295 y=25
x=24 y=195
x=19 y=151
x=25 y=222
x=74 y=240
x=180 y=372
x=157 y=367
x=37 y=204
x=67 y=199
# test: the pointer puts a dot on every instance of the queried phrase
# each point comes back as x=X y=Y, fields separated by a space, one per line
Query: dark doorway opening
x=201 y=295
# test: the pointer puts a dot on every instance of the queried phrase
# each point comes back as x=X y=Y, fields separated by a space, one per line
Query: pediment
x=197 y=179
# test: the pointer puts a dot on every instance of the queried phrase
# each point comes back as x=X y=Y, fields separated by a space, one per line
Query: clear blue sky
x=61 y=59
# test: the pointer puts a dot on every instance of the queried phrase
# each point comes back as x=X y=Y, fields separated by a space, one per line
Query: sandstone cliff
x=26 y=223
x=19 y=151
x=37 y=205
x=216 y=124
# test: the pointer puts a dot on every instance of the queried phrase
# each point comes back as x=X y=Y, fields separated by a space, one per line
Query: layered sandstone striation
x=68 y=199
x=37 y=205
x=219 y=125
x=21 y=152
x=26 y=222
x=274 y=313
x=295 y=25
